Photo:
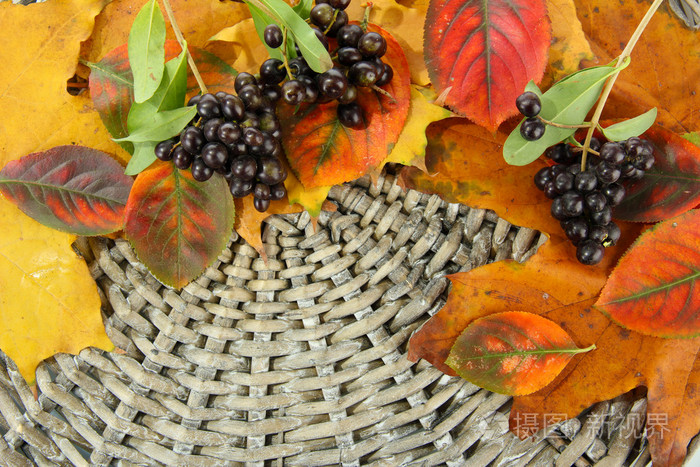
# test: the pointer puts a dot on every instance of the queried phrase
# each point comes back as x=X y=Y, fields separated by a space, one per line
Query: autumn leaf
x=69 y=188
x=670 y=187
x=321 y=151
x=49 y=302
x=653 y=290
x=554 y=285
x=512 y=352
x=177 y=225
x=569 y=44
x=666 y=80
x=485 y=53
x=248 y=223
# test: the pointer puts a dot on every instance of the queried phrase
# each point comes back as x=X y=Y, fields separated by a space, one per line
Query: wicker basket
x=300 y=360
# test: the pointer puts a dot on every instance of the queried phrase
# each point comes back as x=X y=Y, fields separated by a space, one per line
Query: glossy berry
x=293 y=92
x=164 y=149
x=233 y=108
x=557 y=210
x=261 y=191
x=214 y=155
x=210 y=129
x=613 y=235
x=585 y=181
x=612 y=153
x=528 y=103
x=598 y=233
x=273 y=36
x=272 y=71
x=371 y=44
x=321 y=15
x=386 y=76
x=349 y=55
x=243 y=79
x=271 y=171
x=560 y=153
x=194 y=99
x=595 y=201
x=277 y=191
x=332 y=83
x=240 y=188
x=349 y=95
x=339 y=4
x=602 y=217
x=208 y=106
x=228 y=132
x=589 y=252
x=261 y=204
x=607 y=172
x=542 y=176
x=341 y=19
x=252 y=136
x=532 y=129
x=576 y=229
x=349 y=35
x=644 y=160
x=615 y=193
x=181 y=158
x=200 y=171
x=244 y=167
x=192 y=139
x=251 y=96
x=564 y=182
x=572 y=204
x=351 y=115
x=363 y=74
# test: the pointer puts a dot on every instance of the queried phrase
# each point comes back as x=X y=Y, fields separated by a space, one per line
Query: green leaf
x=170 y=95
x=693 y=137
x=146 y=50
x=164 y=125
x=261 y=21
x=303 y=8
x=567 y=102
x=632 y=127
x=314 y=53
x=144 y=156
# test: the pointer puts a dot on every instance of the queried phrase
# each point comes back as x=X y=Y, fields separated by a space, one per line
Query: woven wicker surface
x=300 y=360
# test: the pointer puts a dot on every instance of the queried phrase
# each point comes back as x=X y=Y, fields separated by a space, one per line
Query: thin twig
x=183 y=44
x=562 y=125
x=611 y=81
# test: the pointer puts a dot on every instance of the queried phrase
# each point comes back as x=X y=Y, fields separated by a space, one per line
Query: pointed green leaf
x=567 y=102
x=303 y=8
x=146 y=50
x=164 y=125
x=632 y=127
x=144 y=156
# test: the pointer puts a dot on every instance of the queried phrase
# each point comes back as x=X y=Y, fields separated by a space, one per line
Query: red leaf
x=70 y=188
x=177 y=225
x=653 y=289
x=111 y=82
x=322 y=152
x=512 y=352
x=670 y=187
x=486 y=51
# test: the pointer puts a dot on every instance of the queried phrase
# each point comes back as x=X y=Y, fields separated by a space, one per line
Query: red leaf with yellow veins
x=177 y=225
x=513 y=352
x=69 y=188
x=485 y=52
x=323 y=152
x=654 y=290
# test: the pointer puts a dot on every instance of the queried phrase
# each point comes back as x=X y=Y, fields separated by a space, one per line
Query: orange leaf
x=249 y=220
x=513 y=352
x=654 y=289
x=664 y=69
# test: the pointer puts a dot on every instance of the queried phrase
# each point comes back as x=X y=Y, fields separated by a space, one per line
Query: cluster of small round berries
x=583 y=200
x=357 y=64
x=237 y=136
x=528 y=103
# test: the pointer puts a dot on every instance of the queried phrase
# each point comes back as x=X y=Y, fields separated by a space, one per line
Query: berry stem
x=365 y=18
x=383 y=93
x=284 y=54
x=183 y=44
x=562 y=125
x=624 y=56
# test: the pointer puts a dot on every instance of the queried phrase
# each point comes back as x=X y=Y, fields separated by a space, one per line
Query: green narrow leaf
x=632 y=127
x=146 y=50
x=303 y=8
x=692 y=137
x=567 y=102
x=144 y=156
x=314 y=53
x=164 y=125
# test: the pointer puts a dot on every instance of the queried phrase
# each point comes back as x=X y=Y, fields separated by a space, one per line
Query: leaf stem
x=562 y=125
x=183 y=44
x=285 y=61
x=611 y=81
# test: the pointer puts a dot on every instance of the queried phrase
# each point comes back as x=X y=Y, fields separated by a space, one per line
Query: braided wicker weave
x=300 y=360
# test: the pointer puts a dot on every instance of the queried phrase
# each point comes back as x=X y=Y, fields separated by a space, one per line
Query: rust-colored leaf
x=485 y=52
x=670 y=187
x=512 y=352
x=663 y=72
x=322 y=152
x=70 y=188
x=177 y=225
x=249 y=220
x=654 y=290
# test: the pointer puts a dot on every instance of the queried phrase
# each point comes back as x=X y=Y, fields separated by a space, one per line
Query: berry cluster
x=357 y=64
x=237 y=136
x=583 y=200
x=528 y=103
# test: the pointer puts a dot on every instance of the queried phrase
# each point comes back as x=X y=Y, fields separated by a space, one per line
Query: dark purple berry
x=612 y=153
x=615 y=193
x=240 y=188
x=181 y=158
x=607 y=172
x=243 y=79
x=589 y=252
x=602 y=217
x=208 y=106
x=643 y=161
x=557 y=209
x=271 y=171
x=261 y=191
x=613 y=235
x=386 y=76
x=332 y=83
x=560 y=153
x=273 y=36
x=528 y=103
x=585 y=181
x=598 y=233
x=351 y=115
x=371 y=44
x=339 y=4
x=576 y=229
x=233 y=108
x=363 y=74
x=164 y=149
x=214 y=155
x=228 y=132
x=595 y=201
x=348 y=56
x=200 y=171
x=542 y=176
x=293 y=92
x=261 y=204
x=550 y=190
x=194 y=99
x=211 y=128
x=277 y=191
x=321 y=15
x=532 y=129
x=349 y=35
x=244 y=167
x=192 y=139
x=272 y=71
x=564 y=182
x=572 y=203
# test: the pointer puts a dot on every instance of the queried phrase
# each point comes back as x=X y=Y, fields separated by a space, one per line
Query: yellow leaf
x=569 y=43
x=242 y=39
x=410 y=148
x=311 y=199
x=48 y=300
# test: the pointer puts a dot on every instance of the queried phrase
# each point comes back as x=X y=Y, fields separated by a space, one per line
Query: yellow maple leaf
x=569 y=43
x=48 y=300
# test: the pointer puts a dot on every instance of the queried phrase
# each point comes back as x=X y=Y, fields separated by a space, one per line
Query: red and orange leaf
x=512 y=352
x=323 y=152
x=111 y=83
x=654 y=290
x=670 y=187
x=69 y=188
x=485 y=52
x=177 y=225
